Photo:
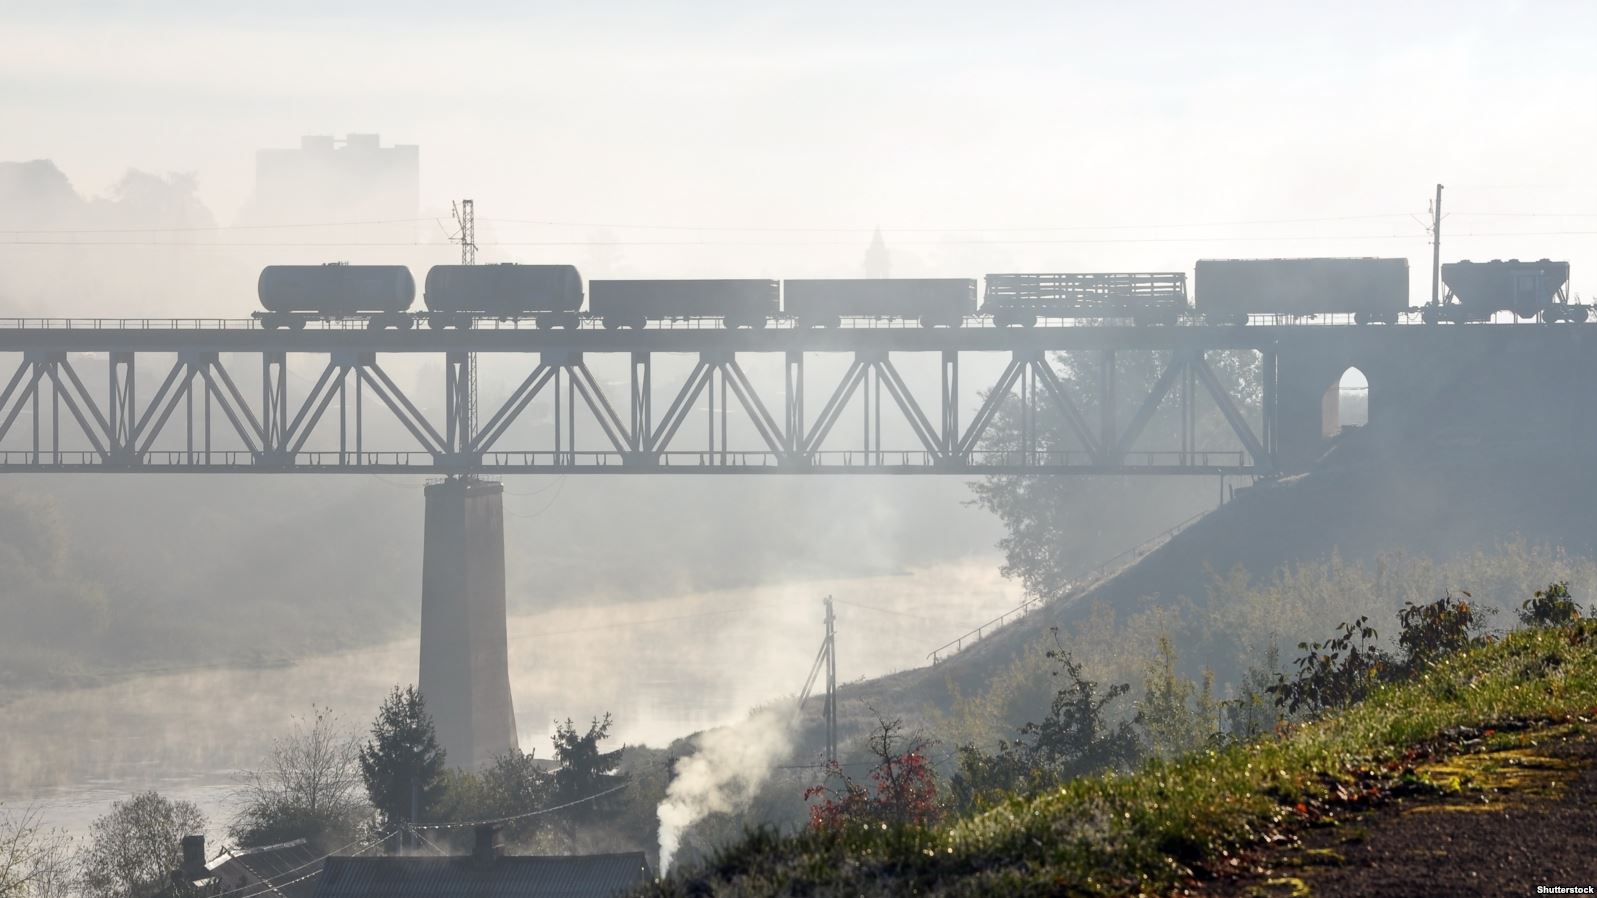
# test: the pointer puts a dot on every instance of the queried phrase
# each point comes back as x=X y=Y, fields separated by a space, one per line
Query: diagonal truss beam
x=507 y=414
x=757 y=412
x=833 y=409
x=1056 y=391
x=600 y=405
x=1233 y=415
x=990 y=405
x=1116 y=447
x=918 y=421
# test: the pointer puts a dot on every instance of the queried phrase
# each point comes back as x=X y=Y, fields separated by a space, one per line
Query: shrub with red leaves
x=902 y=790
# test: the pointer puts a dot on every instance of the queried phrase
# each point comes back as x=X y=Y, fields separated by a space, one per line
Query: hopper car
x=1478 y=290
x=1145 y=298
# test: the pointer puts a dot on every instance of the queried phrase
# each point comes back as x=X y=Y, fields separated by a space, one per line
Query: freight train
x=1226 y=292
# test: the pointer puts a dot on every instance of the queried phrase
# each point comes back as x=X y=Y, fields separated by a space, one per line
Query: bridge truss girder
x=198 y=404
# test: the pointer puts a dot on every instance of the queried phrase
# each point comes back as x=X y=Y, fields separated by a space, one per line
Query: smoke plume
x=722 y=775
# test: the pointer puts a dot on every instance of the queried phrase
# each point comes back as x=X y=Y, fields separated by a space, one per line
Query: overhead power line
x=211 y=228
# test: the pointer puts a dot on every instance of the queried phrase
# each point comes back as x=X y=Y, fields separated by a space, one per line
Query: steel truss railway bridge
x=221 y=400
x=229 y=397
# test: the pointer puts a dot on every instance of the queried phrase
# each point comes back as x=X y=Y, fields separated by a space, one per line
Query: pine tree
x=402 y=764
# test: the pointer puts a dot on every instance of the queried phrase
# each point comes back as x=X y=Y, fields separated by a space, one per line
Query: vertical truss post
x=1189 y=412
x=1108 y=430
x=274 y=405
x=1268 y=369
x=458 y=409
x=950 y=402
x=642 y=400
x=571 y=416
x=122 y=412
x=793 y=404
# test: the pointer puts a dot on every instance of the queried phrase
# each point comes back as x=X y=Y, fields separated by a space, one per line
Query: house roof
x=285 y=870
x=576 y=876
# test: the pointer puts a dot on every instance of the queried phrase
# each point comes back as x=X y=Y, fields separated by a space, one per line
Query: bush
x=1074 y=739
x=1550 y=607
x=1337 y=672
x=1430 y=631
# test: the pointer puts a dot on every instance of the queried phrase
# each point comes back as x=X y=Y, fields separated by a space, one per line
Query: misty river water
x=664 y=668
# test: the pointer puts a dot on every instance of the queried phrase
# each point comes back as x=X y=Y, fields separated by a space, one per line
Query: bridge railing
x=831 y=459
x=1074 y=590
x=588 y=322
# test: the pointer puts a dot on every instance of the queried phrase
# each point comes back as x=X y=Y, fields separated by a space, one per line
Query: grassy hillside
x=1150 y=831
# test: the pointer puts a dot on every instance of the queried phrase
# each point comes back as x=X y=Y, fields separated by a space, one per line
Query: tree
x=512 y=786
x=309 y=788
x=584 y=770
x=34 y=862
x=402 y=764
x=1058 y=527
x=1550 y=607
x=134 y=849
x=1076 y=738
x=903 y=789
x=1175 y=714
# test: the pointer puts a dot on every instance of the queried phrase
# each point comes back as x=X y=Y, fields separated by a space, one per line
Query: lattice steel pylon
x=826 y=660
x=466 y=217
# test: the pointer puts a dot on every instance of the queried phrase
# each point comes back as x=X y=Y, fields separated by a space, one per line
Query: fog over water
x=73 y=752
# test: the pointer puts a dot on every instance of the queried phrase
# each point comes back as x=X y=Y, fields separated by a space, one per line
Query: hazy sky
x=840 y=116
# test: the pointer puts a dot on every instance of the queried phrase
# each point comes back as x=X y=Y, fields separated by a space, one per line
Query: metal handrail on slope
x=1075 y=588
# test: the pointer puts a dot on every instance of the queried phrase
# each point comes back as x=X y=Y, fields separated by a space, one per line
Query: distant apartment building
x=326 y=179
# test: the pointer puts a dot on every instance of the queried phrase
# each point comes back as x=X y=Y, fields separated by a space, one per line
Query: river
x=665 y=668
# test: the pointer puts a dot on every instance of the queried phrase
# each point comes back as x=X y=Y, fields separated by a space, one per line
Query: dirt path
x=1526 y=817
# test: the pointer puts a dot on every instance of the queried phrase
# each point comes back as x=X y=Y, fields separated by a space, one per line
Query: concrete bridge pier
x=465 y=671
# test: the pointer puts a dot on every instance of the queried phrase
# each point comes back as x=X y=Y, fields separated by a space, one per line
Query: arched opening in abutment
x=1346 y=402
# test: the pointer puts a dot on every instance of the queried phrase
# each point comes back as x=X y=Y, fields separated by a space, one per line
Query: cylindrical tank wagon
x=550 y=294
x=294 y=294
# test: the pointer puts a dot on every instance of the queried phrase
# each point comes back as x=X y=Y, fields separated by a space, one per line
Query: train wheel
x=1027 y=320
x=296 y=324
x=1579 y=314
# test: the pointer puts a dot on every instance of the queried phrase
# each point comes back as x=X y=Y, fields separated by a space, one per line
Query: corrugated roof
x=290 y=867
x=575 y=876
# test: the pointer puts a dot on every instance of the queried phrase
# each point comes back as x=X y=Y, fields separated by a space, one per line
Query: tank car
x=1372 y=290
x=931 y=301
x=738 y=302
x=550 y=294
x=294 y=294
x=1144 y=297
x=1478 y=290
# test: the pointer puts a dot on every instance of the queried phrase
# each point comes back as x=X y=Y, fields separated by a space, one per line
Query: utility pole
x=466 y=217
x=1436 y=249
x=831 y=683
x=826 y=657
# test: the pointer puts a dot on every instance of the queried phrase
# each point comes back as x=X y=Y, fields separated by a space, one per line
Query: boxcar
x=931 y=301
x=1372 y=290
x=738 y=302
x=1144 y=297
x=455 y=294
